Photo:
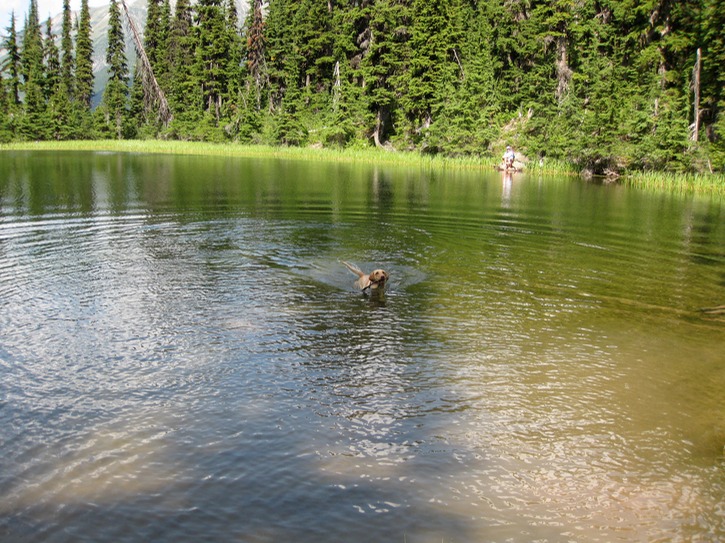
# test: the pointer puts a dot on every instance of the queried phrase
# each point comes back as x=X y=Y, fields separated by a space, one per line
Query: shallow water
x=183 y=356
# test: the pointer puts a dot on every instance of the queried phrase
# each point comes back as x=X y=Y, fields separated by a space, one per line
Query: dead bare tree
x=153 y=94
x=696 y=101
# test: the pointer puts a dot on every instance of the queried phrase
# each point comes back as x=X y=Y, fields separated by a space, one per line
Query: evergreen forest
x=604 y=85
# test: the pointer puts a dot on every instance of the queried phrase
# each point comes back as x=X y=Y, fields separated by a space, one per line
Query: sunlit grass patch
x=678 y=182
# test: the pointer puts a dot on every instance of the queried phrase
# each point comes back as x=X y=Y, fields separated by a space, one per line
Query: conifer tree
x=346 y=112
x=285 y=62
x=212 y=51
x=6 y=114
x=254 y=50
x=32 y=69
x=313 y=40
x=232 y=95
x=155 y=45
x=433 y=69
x=56 y=97
x=84 y=59
x=115 y=97
x=66 y=46
x=138 y=125
x=184 y=90
x=712 y=41
x=52 y=62
x=12 y=63
x=180 y=55
x=465 y=118
x=280 y=51
x=385 y=39
x=155 y=35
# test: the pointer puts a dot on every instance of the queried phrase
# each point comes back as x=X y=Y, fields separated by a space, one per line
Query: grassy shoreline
x=659 y=181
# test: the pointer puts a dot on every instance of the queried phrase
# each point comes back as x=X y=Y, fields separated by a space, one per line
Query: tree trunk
x=563 y=72
x=696 y=90
x=336 y=86
x=378 y=128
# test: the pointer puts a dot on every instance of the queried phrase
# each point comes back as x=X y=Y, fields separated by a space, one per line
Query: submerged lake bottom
x=184 y=357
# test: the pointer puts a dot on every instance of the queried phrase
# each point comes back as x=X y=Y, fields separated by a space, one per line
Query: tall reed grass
x=677 y=182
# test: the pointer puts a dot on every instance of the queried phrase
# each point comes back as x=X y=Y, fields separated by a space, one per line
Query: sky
x=45 y=8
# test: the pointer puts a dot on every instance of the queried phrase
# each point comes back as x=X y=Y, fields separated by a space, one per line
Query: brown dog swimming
x=374 y=279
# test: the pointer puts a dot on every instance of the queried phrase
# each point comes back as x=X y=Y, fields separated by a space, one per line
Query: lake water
x=183 y=357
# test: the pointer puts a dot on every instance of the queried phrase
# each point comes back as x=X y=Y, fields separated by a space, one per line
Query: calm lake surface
x=183 y=356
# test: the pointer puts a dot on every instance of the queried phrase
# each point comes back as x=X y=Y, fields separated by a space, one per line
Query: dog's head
x=378 y=278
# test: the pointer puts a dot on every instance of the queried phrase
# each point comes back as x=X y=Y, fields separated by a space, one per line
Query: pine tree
x=115 y=96
x=180 y=55
x=56 y=97
x=284 y=63
x=34 y=124
x=211 y=55
x=433 y=69
x=712 y=40
x=138 y=125
x=314 y=40
x=67 y=50
x=184 y=89
x=155 y=35
x=52 y=74
x=84 y=59
x=12 y=62
x=385 y=47
x=465 y=116
x=234 y=64
x=279 y=51
x=254 y=51
x=155 y=44
x=6 y=114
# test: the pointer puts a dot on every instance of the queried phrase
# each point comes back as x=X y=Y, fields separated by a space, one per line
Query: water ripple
x=187 y=365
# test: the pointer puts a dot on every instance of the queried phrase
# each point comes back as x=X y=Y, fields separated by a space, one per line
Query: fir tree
x=180 y=56
x=435 y=52
x=212 y=51
x=232 y=95
x=52 y=62
x=57 y=98
x=184 y=90
x=84 y=59
x=115 y=96
x=385 y=46
x=32 y=70
x=285 y=63
x=12 y=62
x=465 y=117
x=6 y=114
x=254 y=51
x=155 y=35
x=67 y=50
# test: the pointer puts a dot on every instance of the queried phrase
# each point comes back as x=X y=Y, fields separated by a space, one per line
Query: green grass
x=678 y=182
x=370 y=155
x=364 y=155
